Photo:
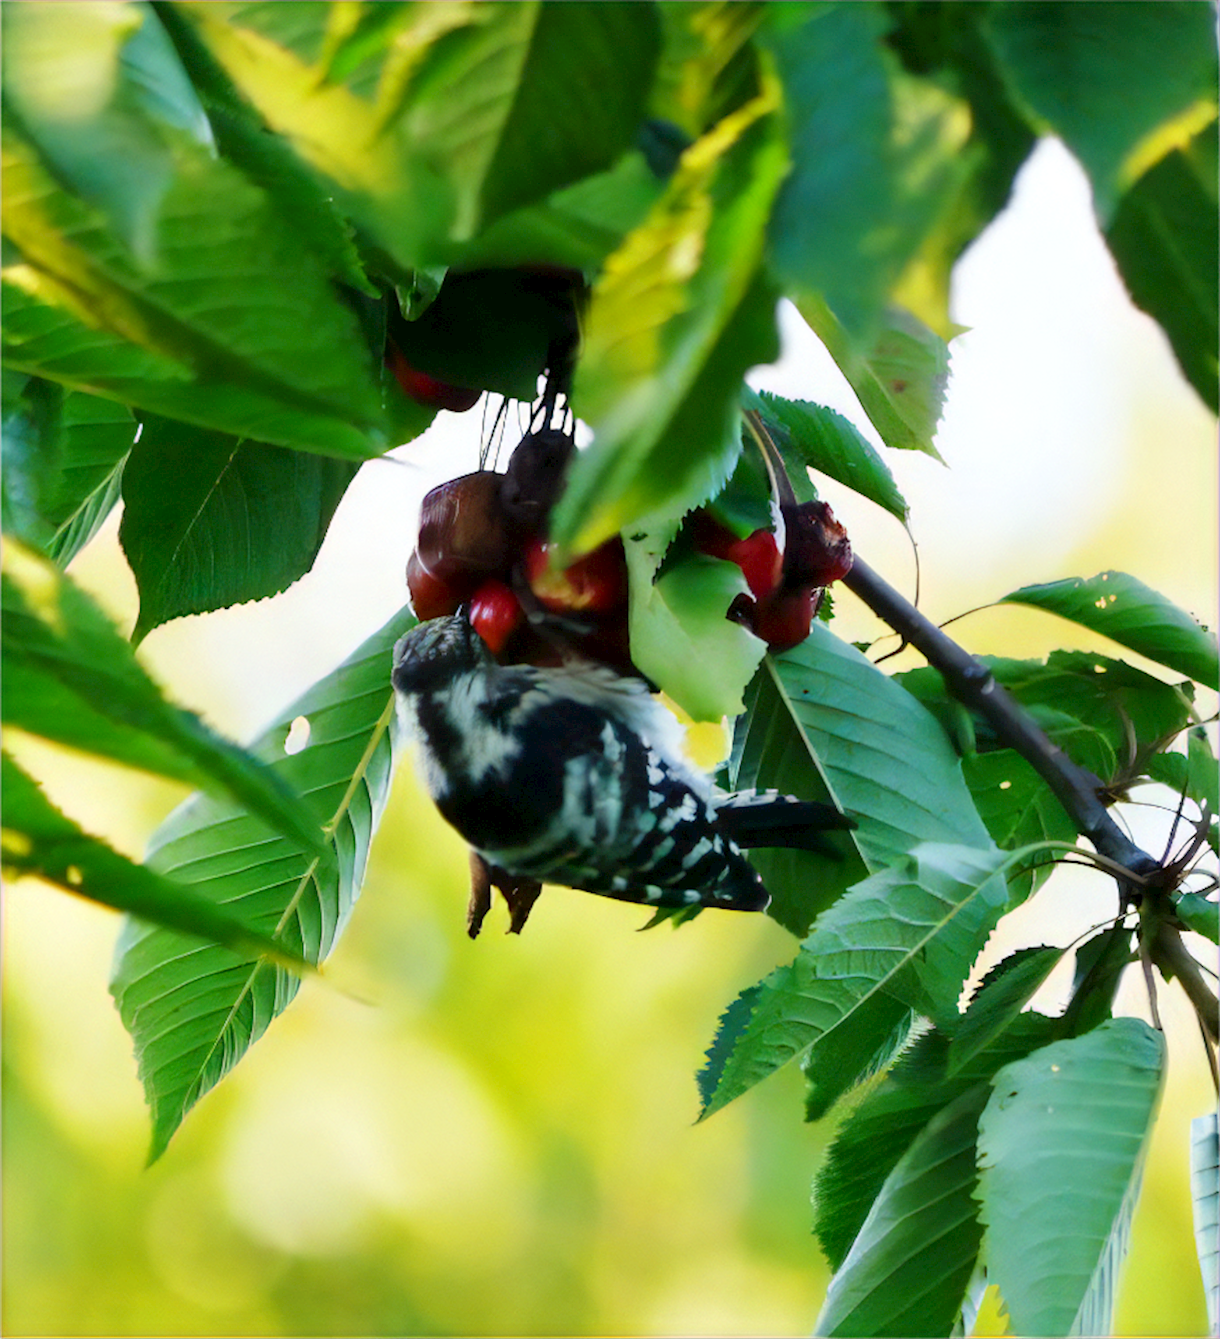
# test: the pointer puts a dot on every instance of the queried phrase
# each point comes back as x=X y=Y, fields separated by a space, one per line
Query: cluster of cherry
x=483 y=544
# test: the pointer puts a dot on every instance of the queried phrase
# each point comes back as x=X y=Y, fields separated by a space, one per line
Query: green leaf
x=678 y=315
x=1164 y=236
x=1205 y=1196
x=232 y=324
x=577 y=227
x=876 y=160
x=63 y=459
x=96 y=437
x=945 y=44
x=1002 y=995
x=30 y=415
x=680 y=636
x=40 y=842
x=439 y=132
x=579 y=88
x=1070 y=66
x=201 y=545
x=708 y=64
x=1132 y=614
x=1061 y=1144
x=909 y=1267
x=824 y=723
x=867 y=1043
x=1019 y=809
x=1202 y=777
x=732 y=1023
x=901 y=381
x=824 y=440
x=194 y=1011
x=274 y=59
x=909 y=933
x=101 y=92
x=1100 y=964
x=1199 y=914
x=69 y=676
x=877 y=1131
x=492 y=329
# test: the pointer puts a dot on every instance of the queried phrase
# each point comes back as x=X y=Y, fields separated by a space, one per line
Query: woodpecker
x=577 y=776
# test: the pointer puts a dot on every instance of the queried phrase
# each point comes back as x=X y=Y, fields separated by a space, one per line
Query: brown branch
x=973 y=684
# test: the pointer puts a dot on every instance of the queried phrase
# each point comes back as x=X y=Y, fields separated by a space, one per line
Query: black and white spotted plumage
x=575 y=776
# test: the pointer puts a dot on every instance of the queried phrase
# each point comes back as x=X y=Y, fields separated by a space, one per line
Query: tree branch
x=973 y=684
x=1172 y=956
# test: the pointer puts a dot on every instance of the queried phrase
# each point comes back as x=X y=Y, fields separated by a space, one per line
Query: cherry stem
x=781 y=485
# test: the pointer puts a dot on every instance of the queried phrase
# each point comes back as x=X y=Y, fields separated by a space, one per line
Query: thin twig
x=1175 y=959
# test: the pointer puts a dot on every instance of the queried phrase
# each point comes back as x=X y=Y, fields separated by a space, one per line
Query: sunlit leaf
x=947 y=45
x=901 y=381
x=1061 y=1145
x=678 y=315
x=876 y=158
x=202 y=544
x=708 y=67
x=69 y=676
x=441 y=137
x=234 y=326
x=909 y=932
x=193 y=1011
x=1070 y=66
x=908 y=1268
x=101 y=92
x=1125 y=610
x=39 y=841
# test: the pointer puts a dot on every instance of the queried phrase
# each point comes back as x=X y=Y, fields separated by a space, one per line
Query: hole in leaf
x=298 y=735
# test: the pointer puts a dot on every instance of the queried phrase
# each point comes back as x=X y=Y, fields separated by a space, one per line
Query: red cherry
x=757 y=554
x=817 y=549
x=464 y=535
x=709 y=536
x=427 y=390
x=431 y=597
x=594 y=584
x=783 y=620
x=495 y=614
x=760 y=561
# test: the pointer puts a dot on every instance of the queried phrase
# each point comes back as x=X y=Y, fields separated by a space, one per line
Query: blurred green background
x=443 y=1137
